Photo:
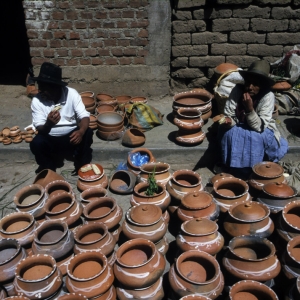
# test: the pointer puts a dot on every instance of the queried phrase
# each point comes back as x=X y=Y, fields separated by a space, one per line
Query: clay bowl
x=192 y=98
x=110 y=119
x=123 y=99
x=230 y=188
x=104 y=97
x=88 y=101
x=91 y=109
x=104 y=108
x=110 y=136
x=109 y=128
x=185 y=180
x=291 y=215
x=133 y=138
x=224 y=68
x=281 y=86
x=92 y=194
x=87 y=94
x=138 y=100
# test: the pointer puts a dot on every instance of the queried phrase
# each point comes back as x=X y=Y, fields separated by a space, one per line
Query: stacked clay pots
x=110 y=125
x=89 y=103
x=106 y=99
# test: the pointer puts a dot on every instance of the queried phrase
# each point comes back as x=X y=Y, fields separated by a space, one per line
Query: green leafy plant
x=153 y=187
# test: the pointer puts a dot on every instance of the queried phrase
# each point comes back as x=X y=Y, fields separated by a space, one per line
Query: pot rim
x=19 y=194
x=228 y=179
x=142 y=185
x=293 y=243
x=190 y=172
x=59 y=181
x=142 y=167
x=10 y=242
x=181 y=110
x=53 y=200
x=87 y=192
x=29 y=216
x=140 y=224
x=287 y=208
x=102 y=200
x=78 y=232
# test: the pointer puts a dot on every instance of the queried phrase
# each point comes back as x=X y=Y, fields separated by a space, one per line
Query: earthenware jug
x=46 y=176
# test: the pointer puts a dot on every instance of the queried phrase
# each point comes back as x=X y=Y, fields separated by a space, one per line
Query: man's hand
x=76 y=137
x=53 y=117
x=247 y=102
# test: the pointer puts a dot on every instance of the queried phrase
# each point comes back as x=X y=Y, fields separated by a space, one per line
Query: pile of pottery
x=15 y=135
x=88 y=101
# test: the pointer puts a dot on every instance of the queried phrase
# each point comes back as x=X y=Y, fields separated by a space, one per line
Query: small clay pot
x=138 y=99
x=110 y=136
x=110 y=119
x=91 y=194
x=87 y=94
x=46 y=176
x=134 y=166
x=88 y=101
x=89 y=274
x=160 y=170
x=224 y=68
x=230 y=187
x=281 y=86
x=104 y=97
x=103 y=107
x=58 y=187
x=37 y=276
x=142 y=263
x=267 y=169
x=188 y=118
x=102 y=183
x=219 y=176
x=190 y=137
x=133 y=138
x=103 y=128
x=71 y=296
x=122 y=182
x=291 y=258
x=123 y=99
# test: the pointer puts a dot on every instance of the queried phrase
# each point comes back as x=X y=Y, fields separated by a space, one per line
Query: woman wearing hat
x=62 y=121
x=248 y=134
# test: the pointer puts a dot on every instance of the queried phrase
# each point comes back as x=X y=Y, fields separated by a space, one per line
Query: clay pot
x=110 y=136
x=104 y=108
x=200 y=234
x=144 y=221
x=71 y=296
x=95 y=237
x=19 y=226
x=46 y=176
x=138 y=100
x=224 y=68
x=54 y=238
x=83 y=185
x=87 y=94
x=31 y=199
x=122 y=182
x=196 y=272
x=104 y=97
x=219 y=176
x=251 y=257
x=291 y=258
x=37 y=276
x=142 y=263
x=90 y=175
x=162 y=245
x=293 y=293
x=194 y=297
x=123 y=99
x=89 y=274
x=11 y=253
x=88 y=102
x=230 y=187
x=190 y=137
x=133 y=164
x=161 y=172
x=188 y=118
x=58 y=187
x=161 y=198
x=249 y=289
x=91 y=194
x=197 y=205
x=281 y=86
x=110 y=128
x=153 y=292
x=63 y=207
x=250 y=218
x=110 y=119
x=133 y=138
x=257 y=182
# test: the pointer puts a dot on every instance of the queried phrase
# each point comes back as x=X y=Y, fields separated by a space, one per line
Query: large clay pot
x=251 y=257
x=46 y=176
x=110 y=119
x=31 y=199
x=139 y=264
x=224 y=68
x=133 y=137
x=99 y=183
x=188 y=118
x=92 y=194
x=250 y=289
x=87 y=94
x=200 y=234
x=160 y=170
x=38 y=277
x=133 y=165
x=122 y=182
x=197 y=205
x=196 y=272
x=89 y=274
x=57 y=187
x=54 y=238
x=95 y=237
x=190 y=137
x=250 y=218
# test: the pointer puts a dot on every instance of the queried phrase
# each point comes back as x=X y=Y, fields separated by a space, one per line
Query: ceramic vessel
x=123 y=99
x=54 y=238
x=19 y=226
x=138 y=99
x=194 y=297
x=293 y=293
x=83 y=185
x=122 y=182
x=162 y=245
x=64 y=207
x=139 y=264
x=31 y=199
x=281 y=86
x=160 y=170
x=111 y=101
x=110 y=136
x=71 y=296
x=110 y=129
x=103 y=107
x=133 y=138
x=219 y=176
x=188 y=118
x=196 y=272
x=200 y=234
x=250 y=289
x=37 y=277
x=134 y=164
x=110 y=119
x=46 y=176
x=197 y=205
x=88 y=101
x=224 y=68
x=89 y=274
x=95 y=237
x=58 y=187
x=87 y=94
x=251 y=257
x=250 y=218
x=92 y=194
x=103 y=97
x=190 y=137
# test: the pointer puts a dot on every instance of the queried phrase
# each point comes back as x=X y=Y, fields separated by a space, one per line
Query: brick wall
x=207 y=33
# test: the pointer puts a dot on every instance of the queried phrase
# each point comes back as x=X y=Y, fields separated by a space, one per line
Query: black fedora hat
x=260 y=69
x=50 y=73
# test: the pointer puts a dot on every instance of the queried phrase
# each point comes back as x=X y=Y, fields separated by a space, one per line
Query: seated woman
x=248 y=135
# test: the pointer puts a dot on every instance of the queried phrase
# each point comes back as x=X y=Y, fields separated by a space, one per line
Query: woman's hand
x=247 y=102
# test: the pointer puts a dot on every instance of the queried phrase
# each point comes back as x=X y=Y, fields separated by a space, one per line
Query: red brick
x=139 y=24
x=108 y=24
x=76 y=52
x=71 y=15
x=128 y=14
x=44 y=15
x=142 y=14
x=59 y=61
x=62 y=52
x=122 y=24
x=97 y=43
x=130 y=33
x=85 y=61
x=63 y=4
x=124 y=43
x=37 y=43
x=144 y=3
x=47 y=35
x=143 y=33
x=88 y=34
x=115 y=35
x=125 y=60
x=35 y=52
x=115 y=4
x=83 y=44
x=80 y=25
x=55 y=44
x=139 y=60
x=32 y=34
x=92 y=4
x=86 y=15
x=111 y=61
x=103 y=52
x=57 y=15
x=48 y=52
x=96 y=61
x=90 y=52
x=95 y=24
x=72 y=62
x=139 y=42
x=74 y=36
x=66 y=25
x=30 y=15
x=117 y=52
x=37 y=61
x=102 y=33
x=68 y=44
x=135 y=3
x=115 y=14
x=79 y=4
x=108 y=43
x=52 y=25
x=59 y=35
x=101 y=15
x=129 y=52
x=142 y=52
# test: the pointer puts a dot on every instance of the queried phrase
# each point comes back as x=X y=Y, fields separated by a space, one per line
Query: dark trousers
x=49 y=151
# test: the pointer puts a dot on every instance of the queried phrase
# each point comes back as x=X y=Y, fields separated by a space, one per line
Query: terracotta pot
x=144 y=221
x=71 y=296
x=161 y=198
x=46 y=176
x=110 y=136
x=90 y=175
x=268 y=169
x=123 y=99
x=251 y=257
x=54 y=238
x=230 y=187
x=88 y=102
x=196 y=272
x=249 y=289
x=224 y=68
x=111 y=101
x=258 y=182
x=11 y=254
x=293 y=293
x=83 y=185
x=291 y=258
x=63 y=207
x=38 y=276
x=133 y=138
x=200 y=234
x=91 y=109
x=19 y=226
x=31 y=199
x=134 y=165
x=92 y=194
x=188 y=118
x=102 y=107
x=110 y=128
x=190 y=137
x=110 y=119
x=194 y=297
x=281 y=86
x=95 y=237
x=104 y=97
x=87 y=94
x=197 y=205
x=219 y=176
x=58 y=187
x=161 y=172
x=162 y=245
x=122 y=182
x=250 y=218
x=89 y=274
x=142 y=263
x=153 y=292
x=138 y=100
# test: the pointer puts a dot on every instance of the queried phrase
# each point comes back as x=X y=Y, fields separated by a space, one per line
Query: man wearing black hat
x=61 y=120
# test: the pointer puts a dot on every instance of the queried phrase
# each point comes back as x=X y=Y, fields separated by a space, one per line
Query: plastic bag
x=122 y=166
x=138 y=159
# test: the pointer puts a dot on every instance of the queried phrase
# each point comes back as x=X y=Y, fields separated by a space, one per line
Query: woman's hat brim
x=41 y=79
x=267 y=79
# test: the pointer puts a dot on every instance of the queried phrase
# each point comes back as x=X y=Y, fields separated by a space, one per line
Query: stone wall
x=207 y=33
